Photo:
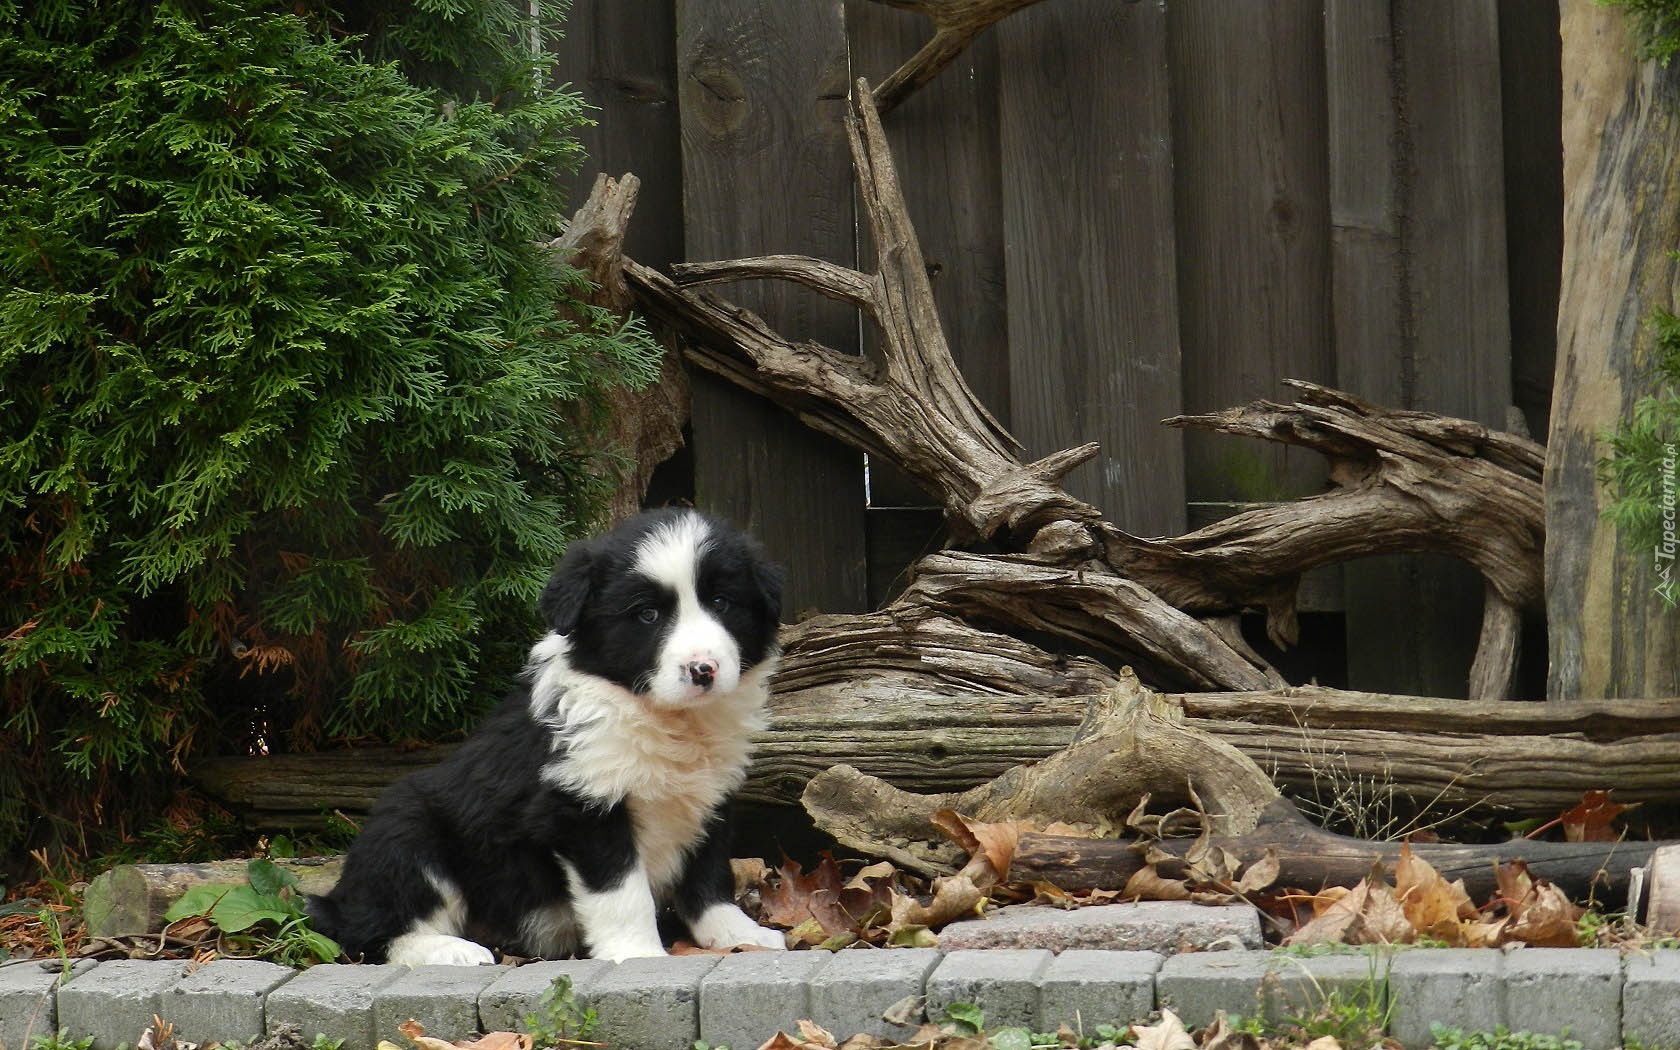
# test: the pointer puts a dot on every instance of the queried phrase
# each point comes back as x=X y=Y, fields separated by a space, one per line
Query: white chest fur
x=670 y=765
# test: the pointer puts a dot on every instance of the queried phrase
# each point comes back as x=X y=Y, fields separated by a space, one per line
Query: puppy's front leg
x=618 y=921
x=706 y=898
x=612 y=899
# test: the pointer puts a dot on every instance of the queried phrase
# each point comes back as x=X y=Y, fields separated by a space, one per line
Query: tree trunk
x=1611 y=634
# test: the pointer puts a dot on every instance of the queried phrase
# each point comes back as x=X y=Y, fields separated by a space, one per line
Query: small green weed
x=60 y=1040
x=1501 y=1038
x=260 y=916
x=559 y=1021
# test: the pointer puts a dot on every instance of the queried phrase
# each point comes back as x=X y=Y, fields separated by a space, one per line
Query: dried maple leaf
x=1592 y=819
x=1168 y=1035
x=780 y=1041
x=1221 y=1036
x=1147 y=884
x=416 y=1033
x=824 y=896
x=991 y=846
x=813 y=1034
x=1435 y=907
x=1549 y=919
x=1366 y=914
x=954 y=896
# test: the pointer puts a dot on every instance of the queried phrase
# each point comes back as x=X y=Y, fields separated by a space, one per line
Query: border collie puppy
x=593 y=797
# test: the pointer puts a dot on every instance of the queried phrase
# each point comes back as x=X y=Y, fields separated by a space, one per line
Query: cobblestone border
x=1599 y=996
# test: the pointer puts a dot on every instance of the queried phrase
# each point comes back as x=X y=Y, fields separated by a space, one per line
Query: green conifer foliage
x=293 y=412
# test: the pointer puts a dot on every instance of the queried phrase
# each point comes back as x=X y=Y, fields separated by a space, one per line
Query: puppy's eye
x=720 y=603
x=648 y=615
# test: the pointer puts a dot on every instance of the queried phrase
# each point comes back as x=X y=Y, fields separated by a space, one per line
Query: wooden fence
x=1132 y=210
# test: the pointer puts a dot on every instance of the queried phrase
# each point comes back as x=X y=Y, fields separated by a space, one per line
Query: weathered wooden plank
x=1531 y=88
x=1086 y=143
x=766 y=169
x=945 y=139
x=621 y=55
x=1419 y=286
x=1252 y=198
x=1611 y=633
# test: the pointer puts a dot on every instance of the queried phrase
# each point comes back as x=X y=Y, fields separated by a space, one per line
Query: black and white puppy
x=593 y=797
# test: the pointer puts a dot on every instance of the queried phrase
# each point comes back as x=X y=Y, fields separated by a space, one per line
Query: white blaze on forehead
x=671 y=554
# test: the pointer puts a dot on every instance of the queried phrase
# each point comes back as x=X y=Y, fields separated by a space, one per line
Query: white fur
x=670 y=556
x=619 y=923
x=672 y=766
x=435 y=940
x=725 y=926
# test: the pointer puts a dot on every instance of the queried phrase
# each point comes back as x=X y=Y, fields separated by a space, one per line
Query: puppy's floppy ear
x=770 y=579
x=568 y=589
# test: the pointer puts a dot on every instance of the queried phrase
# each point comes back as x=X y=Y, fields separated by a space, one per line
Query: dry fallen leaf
x=1147 y=884
x=813 y=1034
x=1592 y=819
x=780 y=1041
x=1435 y=907
x=1366 y=914
x=1168 y=1035
x=416 y=1033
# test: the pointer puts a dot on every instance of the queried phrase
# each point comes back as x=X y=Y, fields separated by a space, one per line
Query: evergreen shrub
x=294 y=413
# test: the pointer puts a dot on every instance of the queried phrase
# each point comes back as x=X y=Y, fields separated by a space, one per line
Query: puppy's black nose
x=701 y=673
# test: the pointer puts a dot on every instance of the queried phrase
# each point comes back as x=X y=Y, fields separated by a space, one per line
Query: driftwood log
x=1404 y=482
x=1513 y=758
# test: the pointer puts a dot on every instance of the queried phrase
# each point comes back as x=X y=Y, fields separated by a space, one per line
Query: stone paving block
x=1553 y=990
x=335 y=1000
x=751 y=996
x=1651 y=999
x=503 y=1006
x=28 y=1006
x=223 y=1000
x=1297 y=987
x=1082 y=989
x=1197 y=985
x=1161 y=926
x=1457 y=987
x=115 y=1001
x=1002 y=982
x=444 y=999
x=858 y=985
x=651 y=1004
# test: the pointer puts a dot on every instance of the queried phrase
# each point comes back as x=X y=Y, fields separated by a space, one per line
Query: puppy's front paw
x=725 y=926
x=437 y=949
x=620 y=950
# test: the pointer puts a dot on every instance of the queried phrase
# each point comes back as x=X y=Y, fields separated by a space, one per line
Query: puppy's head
x=672 y=605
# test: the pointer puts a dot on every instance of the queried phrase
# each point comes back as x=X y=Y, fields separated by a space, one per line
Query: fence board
x=1252 y=198
x=1421 y=307
x=1531 y=86
x=766 y=169
x=1086 y=143
x=621 y=55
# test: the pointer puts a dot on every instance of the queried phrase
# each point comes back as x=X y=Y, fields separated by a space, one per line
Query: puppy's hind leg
x=435 y=940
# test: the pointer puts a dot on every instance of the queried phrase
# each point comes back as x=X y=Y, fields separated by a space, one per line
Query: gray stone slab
x=1555 y=991
x=1083 y=989
x=1456 y=987
x=1651 y=999
x=114 y=1002
x=1160 y=926
x=1002 y=982
x=443 y=999
x=518 y=993
x=750 y=996
x=1197 y=985
x=223 y=1001
x=651 y=1004
x=28 y=1006
x=858 y=985
x=335 y=1000
x=1275 y=986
